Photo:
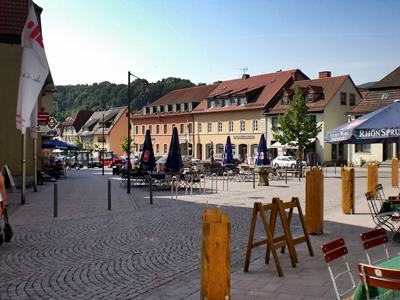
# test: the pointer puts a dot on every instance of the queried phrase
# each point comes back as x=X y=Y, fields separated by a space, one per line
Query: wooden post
x=395 y=172
x=215 y=256
x=372 y=177
x=315 y=201
x=348 y=190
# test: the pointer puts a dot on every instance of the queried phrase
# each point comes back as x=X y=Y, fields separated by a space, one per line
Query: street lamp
x=129 y=129
x=102 y=155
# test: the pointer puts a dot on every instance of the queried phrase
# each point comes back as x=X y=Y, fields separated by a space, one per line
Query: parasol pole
x=23 y=169
x=34 y=164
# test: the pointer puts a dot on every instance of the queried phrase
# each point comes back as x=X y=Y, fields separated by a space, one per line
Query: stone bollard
x=315 y=201
x=215 y=255
x=55 y=200
x=348 y=190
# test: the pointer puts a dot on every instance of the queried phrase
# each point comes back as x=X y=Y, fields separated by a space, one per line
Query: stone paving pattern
x=147 y=251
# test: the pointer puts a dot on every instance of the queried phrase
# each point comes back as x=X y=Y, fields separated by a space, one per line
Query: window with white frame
x=230 y=125
x=243 y=100
x=219 y=126
x=165 y=128
x=227 y=102
x=255 y=125
x=209 y=126
x=242 y=125
x=199 y=127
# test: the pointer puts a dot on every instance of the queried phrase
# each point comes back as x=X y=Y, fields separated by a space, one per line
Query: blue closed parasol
x=228 y=155
x=174 y=158
x=147 y=160
x=262 y=155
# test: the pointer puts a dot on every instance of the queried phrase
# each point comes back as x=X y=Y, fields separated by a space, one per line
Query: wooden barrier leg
x=251 y=237
x=270 y=240
x=287 y=233
x=272 y=225
x=303 y=224
x=290 y=215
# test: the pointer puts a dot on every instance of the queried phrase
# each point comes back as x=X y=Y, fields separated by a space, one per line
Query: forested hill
x=72 y=98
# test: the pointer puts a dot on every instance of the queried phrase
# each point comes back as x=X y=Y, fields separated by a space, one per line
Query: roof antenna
x=244 y=69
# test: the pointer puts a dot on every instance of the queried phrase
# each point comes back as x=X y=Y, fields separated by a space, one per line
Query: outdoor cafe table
x=374 y=292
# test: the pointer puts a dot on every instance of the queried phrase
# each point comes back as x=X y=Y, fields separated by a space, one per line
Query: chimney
x=245 y=76
x=324 y=74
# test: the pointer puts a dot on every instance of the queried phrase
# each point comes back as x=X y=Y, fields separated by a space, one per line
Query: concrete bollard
x=151 y=189
x=254 y=179
x=55 y=200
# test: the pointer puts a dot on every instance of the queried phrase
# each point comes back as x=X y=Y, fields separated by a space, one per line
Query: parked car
x=160 y=163
x=94 y=163
x=116 y=161
x=286 y=162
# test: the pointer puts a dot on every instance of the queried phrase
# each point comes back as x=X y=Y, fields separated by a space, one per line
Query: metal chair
x=388 y=220
x=386 y=280
x=332 y=251
x=373 y=239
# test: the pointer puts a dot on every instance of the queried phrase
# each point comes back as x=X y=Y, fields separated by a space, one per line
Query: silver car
x=285 y=162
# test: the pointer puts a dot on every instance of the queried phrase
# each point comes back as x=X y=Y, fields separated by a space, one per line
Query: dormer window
x=190 y=106
x=151 y=109
x=158 y=108
x=243 y=100
x=182 y=107
x=166 y=107
x=144 y=111
x=211 y=103
x=174 y=107
x=310 y=97
x=285 y=100
x=234 y=101
x=227 y=102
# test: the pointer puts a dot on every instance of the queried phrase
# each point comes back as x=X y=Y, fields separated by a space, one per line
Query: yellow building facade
x=212 y=130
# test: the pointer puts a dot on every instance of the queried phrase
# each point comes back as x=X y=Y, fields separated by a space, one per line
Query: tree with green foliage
x=296 y=126
x=124 y=145
x=78 y=143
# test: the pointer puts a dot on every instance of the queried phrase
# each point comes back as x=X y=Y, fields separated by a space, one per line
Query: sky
x=208 y=40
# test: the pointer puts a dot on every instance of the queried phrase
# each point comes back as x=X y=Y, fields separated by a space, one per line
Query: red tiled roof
x=375 y=100
x=329 y=85
x=192 y=94
x=13 y=16
x=390 y=80
x=268 y=85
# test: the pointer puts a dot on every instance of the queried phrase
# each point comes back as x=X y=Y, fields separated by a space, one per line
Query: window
x=211 y=104
x=255 y=125
x=101 y=140
x=165 y=148
x=143 y=129
x=352 y=99
x=285 y=100
x=230 y=125
x=366 y=148
x=242 y=125
x=314 y=118
x=234 y=101
x=182 y=130
x=209 y=127
x=199 y=128
x=189 y=127
x=219 y=126
x=137 y=129
x=243 y=100
x=227 y=102
x=150 y=128
x=173 y=126
x=310 y=97
x=274 y=122
x=157 y=129
x=343 y=98
x=157 y=148
x=165 y=128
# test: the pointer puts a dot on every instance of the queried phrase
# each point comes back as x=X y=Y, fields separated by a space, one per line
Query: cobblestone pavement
x=96 y=254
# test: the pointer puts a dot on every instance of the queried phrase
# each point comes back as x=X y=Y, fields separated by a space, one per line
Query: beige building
x=14 y=13
x=382 y=93
x=328 y=100
x=70 y=128
x=236 y=109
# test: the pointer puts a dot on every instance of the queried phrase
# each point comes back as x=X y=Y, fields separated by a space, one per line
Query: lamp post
x=129 y=130
x=102 y=150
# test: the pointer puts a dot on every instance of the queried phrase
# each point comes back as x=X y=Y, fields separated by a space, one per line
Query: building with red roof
x=235 y=108
x=328 y=99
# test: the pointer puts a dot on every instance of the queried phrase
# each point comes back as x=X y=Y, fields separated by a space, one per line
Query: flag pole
x=23 y=171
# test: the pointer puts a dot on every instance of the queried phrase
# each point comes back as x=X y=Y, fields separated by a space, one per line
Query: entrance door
x=242 y=152
x=199 y=151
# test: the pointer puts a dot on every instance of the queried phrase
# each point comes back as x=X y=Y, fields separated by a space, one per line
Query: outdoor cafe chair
x=373 y=239
x=383 y=215
x=379 y=282
x=333 y=251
